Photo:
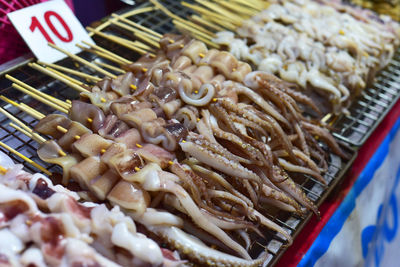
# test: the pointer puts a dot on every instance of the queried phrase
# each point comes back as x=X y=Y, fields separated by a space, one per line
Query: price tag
x=53 y=22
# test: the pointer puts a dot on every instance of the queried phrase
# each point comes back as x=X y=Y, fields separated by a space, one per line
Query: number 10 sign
x=49 y=22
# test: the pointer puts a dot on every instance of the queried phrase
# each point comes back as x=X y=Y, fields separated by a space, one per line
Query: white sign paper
x=53 y=22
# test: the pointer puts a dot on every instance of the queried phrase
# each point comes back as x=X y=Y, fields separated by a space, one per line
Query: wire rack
x=369 y=109
x=158 y=21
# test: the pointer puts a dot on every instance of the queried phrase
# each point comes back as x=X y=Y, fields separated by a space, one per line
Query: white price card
x=53 y=22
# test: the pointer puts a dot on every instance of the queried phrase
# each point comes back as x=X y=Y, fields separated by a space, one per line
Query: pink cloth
x=11 y=44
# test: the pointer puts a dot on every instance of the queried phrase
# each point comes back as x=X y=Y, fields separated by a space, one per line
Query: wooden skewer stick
x=36 y=136
x=75 y=81
x=3 y=170
x=197 y=35
x=246 y=12
x=206 y=23
x=58 y=77
x=101 y=54
x=221 y=10
x=39 y=98
x=152 y=40
x=134 y=24
x=220 y=22
x=71 y=71
x=118 y=41
x=34 y=113
x=127 y=14
x=175 y=17
x=208 y=12
x=101 y=49
x=36 y=165
x=186 y=26
x=34 y=90
x=38 y=116
x=25 y=132
x=329 y=119
x=83 y=61
x=135 y=43
x=142 y=45
x=258 y=5
x=111 y=67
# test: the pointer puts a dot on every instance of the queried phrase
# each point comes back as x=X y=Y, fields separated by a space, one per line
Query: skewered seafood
x=47 y=226
x=330 y=50
x=120 y=145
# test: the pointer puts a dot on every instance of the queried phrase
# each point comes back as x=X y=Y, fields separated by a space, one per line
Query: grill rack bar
x=371 y=107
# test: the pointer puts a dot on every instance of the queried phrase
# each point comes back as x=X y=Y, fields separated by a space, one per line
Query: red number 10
x=36 y=24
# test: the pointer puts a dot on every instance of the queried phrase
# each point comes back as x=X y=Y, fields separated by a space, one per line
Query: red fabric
x=307 y=236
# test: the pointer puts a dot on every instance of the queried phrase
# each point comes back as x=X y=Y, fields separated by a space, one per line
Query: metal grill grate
x=371 y=106
x=159 y=22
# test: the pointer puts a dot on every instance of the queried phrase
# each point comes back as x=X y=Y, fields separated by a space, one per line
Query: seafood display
x=42 y=224
x=327 y=50
x=212 y=151
x=196 y=148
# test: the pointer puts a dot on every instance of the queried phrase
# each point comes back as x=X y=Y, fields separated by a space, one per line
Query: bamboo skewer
x=208 y=12
x=175 y=17
x=259 y=4
x=220 y=22
x=36 y=165
x=128 y=14
x=3 y=170
x=34 y=113
x=58 y=77
x=25 y=132
x=198 y=35
x=35 y=136
x=221 y=10
x=134 y=43
x=134 y=24
x=83 y=61
x=39 y=98
x=140 y=34
x=69 y=78
x=71 y=71
x=142 y=45
x=206 y=23
x=239 y=9
x=186 y=26
x=101 y=54
x=119 y=41
x=101 y=49
x=34 y=90
x=111 y=67
x=138 y=11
